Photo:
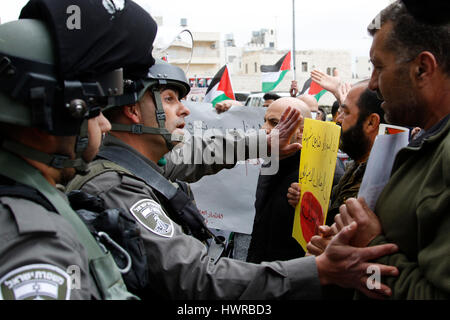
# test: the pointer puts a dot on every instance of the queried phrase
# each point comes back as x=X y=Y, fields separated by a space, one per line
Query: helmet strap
x=161 y=115
x=81 y=145
x=139 y=129
x=53 y=160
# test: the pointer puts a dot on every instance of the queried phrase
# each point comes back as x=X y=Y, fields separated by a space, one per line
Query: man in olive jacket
x=412 y=73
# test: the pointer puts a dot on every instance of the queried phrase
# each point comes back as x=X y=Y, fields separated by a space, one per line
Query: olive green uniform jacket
x=40 y=254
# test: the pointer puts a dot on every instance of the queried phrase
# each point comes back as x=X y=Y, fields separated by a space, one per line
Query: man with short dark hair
x=270 y=97
x=321 y=114
x=362 y=115
x=335 y=111
x=412 y=74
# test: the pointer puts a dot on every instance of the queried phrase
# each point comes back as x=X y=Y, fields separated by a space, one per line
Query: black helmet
x=159 y=75
x=31 y=93
x=55 y=78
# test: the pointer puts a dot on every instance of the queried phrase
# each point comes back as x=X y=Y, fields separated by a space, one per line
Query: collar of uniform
x=110 y=140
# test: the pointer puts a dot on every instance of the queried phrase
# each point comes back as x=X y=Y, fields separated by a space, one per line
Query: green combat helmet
x=32 y=95
x=159 y=75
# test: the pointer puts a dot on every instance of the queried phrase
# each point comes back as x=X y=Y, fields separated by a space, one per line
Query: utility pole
x=293 y=40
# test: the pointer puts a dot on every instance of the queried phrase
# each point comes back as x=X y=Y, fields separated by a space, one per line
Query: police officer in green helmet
x=51 y=125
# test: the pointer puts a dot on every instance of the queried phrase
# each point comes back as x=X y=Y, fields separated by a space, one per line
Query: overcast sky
x=320 y=24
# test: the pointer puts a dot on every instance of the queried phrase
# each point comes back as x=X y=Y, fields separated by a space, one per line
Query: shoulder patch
x=150 y=214
x=35 y=282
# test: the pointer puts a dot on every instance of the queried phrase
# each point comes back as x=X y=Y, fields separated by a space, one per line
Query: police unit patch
x=150 y=214
x=35 y=282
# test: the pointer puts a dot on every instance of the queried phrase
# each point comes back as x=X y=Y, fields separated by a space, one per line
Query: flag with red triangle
x=272 y=75
x=220 y=88
x=313 y=88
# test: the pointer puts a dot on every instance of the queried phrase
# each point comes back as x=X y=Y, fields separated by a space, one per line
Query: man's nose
x=373 y=82
x=105 y=125
x=266 y=127
x=183 y=111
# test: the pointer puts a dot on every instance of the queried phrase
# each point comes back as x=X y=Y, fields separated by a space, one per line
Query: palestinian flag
x=220 y=88
x=272 y=75
x=313 y=88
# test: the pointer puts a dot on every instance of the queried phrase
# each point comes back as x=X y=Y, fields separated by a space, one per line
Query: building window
x=256 y=67
x=246 y=68
x=304 y=66
x=271 y=45
x=329 y=71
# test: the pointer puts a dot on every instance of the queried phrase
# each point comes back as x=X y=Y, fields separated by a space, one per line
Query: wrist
x=322 y=270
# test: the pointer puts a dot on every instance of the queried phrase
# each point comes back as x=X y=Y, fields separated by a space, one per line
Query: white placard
x=379 y=165
x=227 y=198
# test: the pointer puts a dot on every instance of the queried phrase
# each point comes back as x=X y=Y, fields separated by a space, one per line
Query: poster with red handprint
x=317 y=164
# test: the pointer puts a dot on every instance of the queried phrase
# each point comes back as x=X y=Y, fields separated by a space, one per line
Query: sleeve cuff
x=304 y=278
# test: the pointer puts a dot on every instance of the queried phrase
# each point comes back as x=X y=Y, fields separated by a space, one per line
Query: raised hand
x=226 y=104
x=294 y=88
x=334 y=84
x=290 y=120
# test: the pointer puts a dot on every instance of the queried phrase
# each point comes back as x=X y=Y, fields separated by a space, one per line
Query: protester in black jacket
x=272 y=228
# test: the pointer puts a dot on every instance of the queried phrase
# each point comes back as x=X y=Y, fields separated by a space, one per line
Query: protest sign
x=226 y=199
x=390 y=129
x=317 y=164
x=381 y=160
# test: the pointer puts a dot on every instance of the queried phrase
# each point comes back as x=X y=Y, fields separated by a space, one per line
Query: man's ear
x=372 y=124
x=424 y=68
x=133 y=113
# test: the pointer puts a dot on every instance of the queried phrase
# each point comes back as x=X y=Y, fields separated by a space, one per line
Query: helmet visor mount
x=40 y=101
x=55 y=108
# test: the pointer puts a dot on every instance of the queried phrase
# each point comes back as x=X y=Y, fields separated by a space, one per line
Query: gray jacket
x=40 y=255
x=189 y=162
x=179 y=267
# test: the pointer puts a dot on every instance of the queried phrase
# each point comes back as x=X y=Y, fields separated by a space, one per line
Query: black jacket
x=272 y=228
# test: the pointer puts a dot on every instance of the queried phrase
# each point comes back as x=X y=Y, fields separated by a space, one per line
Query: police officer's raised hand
x=348 y=266
x=224 y=106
